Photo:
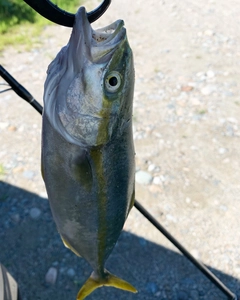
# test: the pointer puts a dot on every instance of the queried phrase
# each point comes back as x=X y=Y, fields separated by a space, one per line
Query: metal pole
x=19 y=89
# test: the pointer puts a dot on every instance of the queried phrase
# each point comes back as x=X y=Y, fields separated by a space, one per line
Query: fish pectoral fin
x=109 y=280
x=67 y=245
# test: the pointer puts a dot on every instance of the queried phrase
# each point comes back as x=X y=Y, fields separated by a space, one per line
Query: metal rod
x=152 y=220
x=16 y=86
x=185 y=252
x=37 y=106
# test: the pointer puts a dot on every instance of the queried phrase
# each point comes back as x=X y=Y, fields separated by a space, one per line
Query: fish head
x=89 y=88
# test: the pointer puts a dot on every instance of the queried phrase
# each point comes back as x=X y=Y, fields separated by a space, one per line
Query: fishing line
x=6 y=90
x=23 y=93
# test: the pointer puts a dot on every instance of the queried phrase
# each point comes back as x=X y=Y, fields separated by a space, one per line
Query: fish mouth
x=99 y=44
x=108 y=34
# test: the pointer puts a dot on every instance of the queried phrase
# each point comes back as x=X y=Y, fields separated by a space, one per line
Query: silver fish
x=87 y=144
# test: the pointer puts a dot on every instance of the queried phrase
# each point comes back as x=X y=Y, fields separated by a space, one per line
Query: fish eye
x=113 y=81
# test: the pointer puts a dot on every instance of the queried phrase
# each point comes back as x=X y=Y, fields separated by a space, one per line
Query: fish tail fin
x=109 y=280
x=112 y=280
x=89 y=286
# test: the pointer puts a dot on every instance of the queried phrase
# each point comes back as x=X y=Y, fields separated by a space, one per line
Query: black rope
x=22 y=92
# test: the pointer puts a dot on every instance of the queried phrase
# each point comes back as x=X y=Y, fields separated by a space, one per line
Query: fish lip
x=104 y=41
x=112 y=33
x=97 y=45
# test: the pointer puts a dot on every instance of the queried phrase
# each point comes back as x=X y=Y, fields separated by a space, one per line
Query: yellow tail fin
x=109 y=280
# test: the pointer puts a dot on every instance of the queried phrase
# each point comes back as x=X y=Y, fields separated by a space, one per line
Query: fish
x=88 y=156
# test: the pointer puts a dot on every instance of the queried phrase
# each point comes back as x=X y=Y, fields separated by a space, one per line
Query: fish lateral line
x=97 y=159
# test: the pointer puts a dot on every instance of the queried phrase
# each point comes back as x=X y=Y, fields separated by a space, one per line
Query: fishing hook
x=55 y=14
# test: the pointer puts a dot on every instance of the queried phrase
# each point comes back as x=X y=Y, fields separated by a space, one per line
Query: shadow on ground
x=29 y=247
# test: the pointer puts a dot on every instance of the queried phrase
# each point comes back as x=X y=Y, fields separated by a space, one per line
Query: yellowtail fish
x=87 y=144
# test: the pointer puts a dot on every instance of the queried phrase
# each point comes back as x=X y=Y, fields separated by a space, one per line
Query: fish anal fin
x=109 y=280
x=132 y=200
x=67 y=245
x=42 y=171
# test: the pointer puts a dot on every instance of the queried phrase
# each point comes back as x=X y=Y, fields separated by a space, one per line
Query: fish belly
x=90 y=190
